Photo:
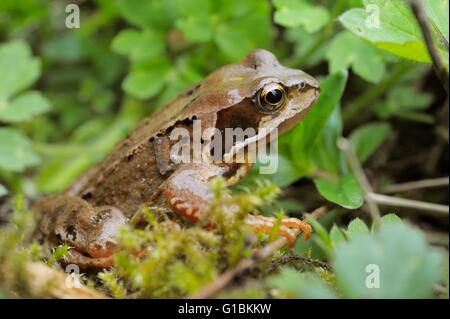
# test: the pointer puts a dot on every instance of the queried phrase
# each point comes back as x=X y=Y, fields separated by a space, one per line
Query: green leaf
x=147 y=81
x=391 y=26
x=321 y=236
x=139 y=45
x=390 y=219
x=286 y=172
x=406 y=265
x=344 y=191
x=19 y=69
x=438 y=15
x=196 y=28
x=405 y=102
x=348 y=51
x=366 y=139
x=24 y=107
x=301 y=285
x=237 y=38
x=326 y=154
x=355 y=228
x=336 y=235
x=295 y=13
x=16 y=153
x=153 y=14
x=306 y=133
x=3 y=190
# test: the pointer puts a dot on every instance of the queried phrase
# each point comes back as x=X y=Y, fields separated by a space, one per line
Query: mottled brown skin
x=139 y=170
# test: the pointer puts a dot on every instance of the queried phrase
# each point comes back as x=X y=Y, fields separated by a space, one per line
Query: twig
x=437 y=238
x=318 y=212
x=304 y=260
x=44 y=281
x=421 y=16
x=425 y=183
x=363 y=181
x=436 y=209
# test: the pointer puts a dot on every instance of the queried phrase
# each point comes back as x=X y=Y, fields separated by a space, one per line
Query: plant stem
x=363 y=181
x=436 y=209
x=370 y=95
x=425 y=183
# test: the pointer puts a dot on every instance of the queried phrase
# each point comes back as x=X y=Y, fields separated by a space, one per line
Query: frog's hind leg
x=91 y=231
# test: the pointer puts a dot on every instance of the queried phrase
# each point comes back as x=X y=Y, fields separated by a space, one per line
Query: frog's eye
x=270 y=98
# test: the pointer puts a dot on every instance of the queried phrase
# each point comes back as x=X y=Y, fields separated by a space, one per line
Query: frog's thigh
x=90 y=230
x=186 y=190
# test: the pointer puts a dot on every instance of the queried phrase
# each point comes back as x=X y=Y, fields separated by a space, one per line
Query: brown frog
x=257 y=93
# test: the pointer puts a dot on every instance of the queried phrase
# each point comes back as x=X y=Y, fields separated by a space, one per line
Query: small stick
x=437 y=209
x=44 y=281
x=363 y=181
x=425 y=183
x=421 y=16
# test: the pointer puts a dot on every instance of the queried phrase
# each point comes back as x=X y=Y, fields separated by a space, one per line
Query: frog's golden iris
x=270 y=98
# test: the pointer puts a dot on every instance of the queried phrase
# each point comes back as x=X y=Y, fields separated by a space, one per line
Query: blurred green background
x=67 y=95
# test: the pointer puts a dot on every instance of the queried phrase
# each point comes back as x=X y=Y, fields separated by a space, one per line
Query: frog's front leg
x=90 y=231
x=186 y=190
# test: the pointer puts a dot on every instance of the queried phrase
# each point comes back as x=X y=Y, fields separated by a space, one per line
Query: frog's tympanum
x=257 y=93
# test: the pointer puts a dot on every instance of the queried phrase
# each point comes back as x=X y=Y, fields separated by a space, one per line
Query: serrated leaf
x=391 y=26
x=390 y=219
x=24 y=107
x=344 y=191
x=348 y=51
x=295 y=13
x=397 y=258
x=19 y=69
x=355 y=228
x=16 y=152
x=366 y=139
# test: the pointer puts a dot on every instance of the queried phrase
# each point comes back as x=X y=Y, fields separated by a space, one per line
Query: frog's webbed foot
x=91 y=231
x=290 y=228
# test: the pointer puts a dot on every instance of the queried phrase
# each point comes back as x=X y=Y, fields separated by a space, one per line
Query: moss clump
x=166 y=260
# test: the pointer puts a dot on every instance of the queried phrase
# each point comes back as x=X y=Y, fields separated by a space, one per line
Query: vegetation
x=67 y=95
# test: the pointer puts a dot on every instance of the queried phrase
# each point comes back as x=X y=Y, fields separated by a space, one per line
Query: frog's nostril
x=301 y=85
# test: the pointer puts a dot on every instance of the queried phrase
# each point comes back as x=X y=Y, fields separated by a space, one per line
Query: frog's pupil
x=274 y=96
